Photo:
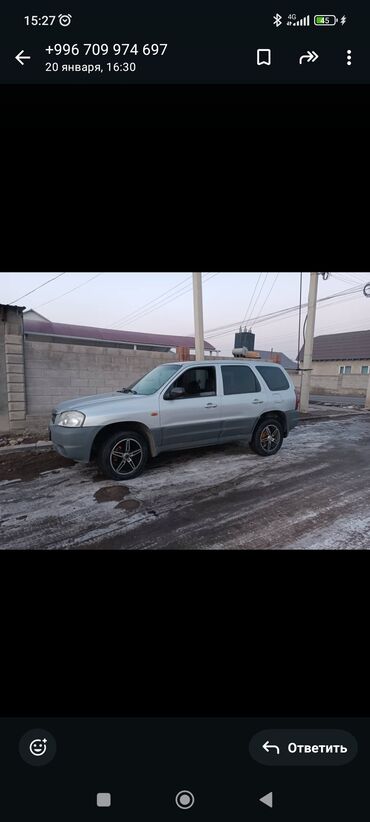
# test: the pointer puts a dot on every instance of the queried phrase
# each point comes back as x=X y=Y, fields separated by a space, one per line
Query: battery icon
x=325 y=20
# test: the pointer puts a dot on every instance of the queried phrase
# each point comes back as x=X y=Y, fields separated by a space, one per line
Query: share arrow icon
x=310 y=56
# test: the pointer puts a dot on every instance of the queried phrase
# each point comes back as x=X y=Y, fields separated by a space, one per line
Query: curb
x=321 y=417
x=33 y=446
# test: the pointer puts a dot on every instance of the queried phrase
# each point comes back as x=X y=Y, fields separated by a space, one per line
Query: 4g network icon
x=319 y=20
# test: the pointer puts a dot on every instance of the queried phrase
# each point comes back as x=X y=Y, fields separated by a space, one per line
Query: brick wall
x=60 y=371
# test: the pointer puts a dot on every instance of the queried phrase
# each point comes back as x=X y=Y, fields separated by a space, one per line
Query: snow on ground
x=348 y=532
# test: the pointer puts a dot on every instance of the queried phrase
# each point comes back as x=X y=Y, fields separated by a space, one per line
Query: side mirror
x=175 y=393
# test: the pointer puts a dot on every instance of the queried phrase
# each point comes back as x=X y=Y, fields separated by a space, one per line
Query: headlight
x=70 y=419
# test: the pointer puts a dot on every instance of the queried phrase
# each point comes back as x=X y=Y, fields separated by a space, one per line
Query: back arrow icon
x=311 y=56
x=22 y=56
x=267 y=747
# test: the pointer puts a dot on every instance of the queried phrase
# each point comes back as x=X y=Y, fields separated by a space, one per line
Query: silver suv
x=178 y=405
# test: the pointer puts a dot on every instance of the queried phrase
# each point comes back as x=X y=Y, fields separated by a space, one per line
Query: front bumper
x=73 y=443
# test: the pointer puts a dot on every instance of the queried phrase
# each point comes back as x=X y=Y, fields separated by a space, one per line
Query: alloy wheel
x=126 y=456
x=270 y=437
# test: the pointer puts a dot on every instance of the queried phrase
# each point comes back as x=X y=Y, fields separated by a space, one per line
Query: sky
x=163 y=303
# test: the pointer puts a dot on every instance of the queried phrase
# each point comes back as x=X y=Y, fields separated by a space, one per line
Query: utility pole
x=198 y=316
x=308 y=346
x=367 y=400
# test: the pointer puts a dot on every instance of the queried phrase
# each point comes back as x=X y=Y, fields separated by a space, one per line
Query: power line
x=165 y=302
x=262 y=323
x=320 y=307
x=352 y=276
x=293 y=336
x=277 y=315
x=260 y=292
x=264 y=303
x=338 y=323
x=142 y=310
x=36 y=289
x=141 y=314
x=342 y=279
x=137 y=310
x=70 y=291
x=250 y=301
x=355 y=292
x=284 y=311
x=185 y=290
x=234 y=328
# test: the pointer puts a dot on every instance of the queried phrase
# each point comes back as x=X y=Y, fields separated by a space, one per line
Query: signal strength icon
x=304 y=21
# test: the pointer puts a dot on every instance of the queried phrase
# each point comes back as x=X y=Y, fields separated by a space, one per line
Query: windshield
x=154 y=380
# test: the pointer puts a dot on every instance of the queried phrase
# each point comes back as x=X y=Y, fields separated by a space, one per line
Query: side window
x=239 y=379
x=196 y=382
x=274 y=377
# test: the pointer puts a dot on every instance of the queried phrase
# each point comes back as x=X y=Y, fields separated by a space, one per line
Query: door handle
x=257 y=401
x=211 y=405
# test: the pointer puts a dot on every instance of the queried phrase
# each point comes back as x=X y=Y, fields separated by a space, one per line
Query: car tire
x=112 y=456
x=261 y=442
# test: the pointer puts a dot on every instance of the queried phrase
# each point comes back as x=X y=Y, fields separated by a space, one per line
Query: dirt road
x=313 y=494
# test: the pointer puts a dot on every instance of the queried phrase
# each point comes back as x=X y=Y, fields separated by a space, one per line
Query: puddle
x=129 y=504
x=113 y=492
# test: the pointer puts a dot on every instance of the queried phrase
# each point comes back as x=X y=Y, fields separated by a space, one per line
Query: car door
x=194 y=418
x=243 y=401
x=281 y=394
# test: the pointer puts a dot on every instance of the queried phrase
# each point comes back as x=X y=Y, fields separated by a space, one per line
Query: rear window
x=274 y=377
x=239 y=379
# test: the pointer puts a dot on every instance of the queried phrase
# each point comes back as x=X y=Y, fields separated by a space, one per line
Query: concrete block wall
x=344 y=384
x=60 y=371
x=326 y=379
x=331 y=368
x=4 y=415
x=11 y=355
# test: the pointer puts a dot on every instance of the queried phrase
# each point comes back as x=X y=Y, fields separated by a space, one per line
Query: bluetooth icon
x=277 y=20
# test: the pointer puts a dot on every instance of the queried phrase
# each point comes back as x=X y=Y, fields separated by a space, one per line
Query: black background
x=186 y=107
x=185 y=633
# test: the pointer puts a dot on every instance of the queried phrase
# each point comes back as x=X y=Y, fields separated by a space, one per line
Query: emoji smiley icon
x=38 y=747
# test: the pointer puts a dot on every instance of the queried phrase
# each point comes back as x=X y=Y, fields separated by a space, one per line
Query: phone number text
x=147 y=49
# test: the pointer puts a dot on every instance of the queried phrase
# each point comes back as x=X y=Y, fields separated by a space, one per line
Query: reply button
x=306 y=747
